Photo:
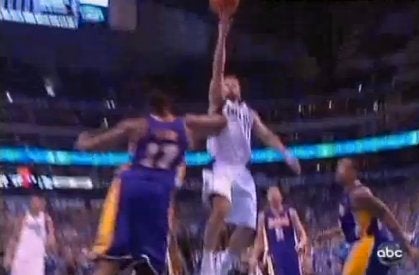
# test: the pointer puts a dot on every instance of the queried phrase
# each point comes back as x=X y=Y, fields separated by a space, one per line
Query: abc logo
x=389 y=253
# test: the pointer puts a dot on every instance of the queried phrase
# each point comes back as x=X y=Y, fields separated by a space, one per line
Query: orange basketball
x=227 y=6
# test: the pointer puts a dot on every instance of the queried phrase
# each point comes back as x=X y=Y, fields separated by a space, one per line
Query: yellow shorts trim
x=359 y=257
x=107 y=223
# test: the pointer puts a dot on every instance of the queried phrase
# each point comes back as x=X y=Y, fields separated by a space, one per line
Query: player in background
x=280 y=233
x=367 y=211
x=232 y=191
x=32 y=235
x=134 y=223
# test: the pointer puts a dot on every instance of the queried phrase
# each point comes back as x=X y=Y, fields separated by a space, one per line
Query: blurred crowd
x=76 y=218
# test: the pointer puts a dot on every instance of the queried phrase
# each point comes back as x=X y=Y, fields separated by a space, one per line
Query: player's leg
x=243 y=215
x=111 y=244
x=149 y=198
x=374 y=265
x=218 y=191
x=358 y=259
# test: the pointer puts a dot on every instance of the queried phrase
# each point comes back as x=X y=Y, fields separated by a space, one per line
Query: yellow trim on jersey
x=363 y=220
x=359 y=257
x=108 y=219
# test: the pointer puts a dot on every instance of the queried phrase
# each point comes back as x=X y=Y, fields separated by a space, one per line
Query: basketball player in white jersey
x=231 y=189
x=33 y=233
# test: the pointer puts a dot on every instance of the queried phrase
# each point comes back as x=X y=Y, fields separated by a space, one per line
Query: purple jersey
x=164 y=145
x=282 y=240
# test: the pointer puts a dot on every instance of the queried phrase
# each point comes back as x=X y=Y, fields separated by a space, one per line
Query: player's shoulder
x=361 y=191
x=361 y=195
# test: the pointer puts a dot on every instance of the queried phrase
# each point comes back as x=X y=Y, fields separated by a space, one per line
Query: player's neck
x=34 y=212
x=352 y=185
x=279 y=207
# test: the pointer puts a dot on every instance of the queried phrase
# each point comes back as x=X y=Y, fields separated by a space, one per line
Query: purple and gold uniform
x=282 y=240
x=134 y=222
x=366 y=234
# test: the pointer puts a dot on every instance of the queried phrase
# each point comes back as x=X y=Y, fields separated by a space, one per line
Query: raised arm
x=129 y=129
x=272 y=140
x=363 y=199
x=218 y=64
x=302 y=235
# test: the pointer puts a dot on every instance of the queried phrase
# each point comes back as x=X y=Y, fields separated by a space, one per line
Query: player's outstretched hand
x=293 y=163
x=81 y=140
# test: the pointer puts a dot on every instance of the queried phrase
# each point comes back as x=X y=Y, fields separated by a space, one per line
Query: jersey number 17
x=160 y=156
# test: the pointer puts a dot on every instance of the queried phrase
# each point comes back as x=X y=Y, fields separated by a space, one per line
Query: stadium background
x=321 y=74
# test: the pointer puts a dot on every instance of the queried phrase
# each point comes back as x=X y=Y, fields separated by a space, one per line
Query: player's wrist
x=288 y=155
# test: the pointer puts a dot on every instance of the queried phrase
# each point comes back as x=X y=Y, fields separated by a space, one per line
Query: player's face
x=274 y=195
x=37 y=204
x=344 y=171
x=231 y=88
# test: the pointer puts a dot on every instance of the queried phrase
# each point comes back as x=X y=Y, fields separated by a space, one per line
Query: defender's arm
x=119 y=134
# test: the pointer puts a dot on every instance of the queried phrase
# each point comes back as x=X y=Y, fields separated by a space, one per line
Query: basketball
x=228 y=6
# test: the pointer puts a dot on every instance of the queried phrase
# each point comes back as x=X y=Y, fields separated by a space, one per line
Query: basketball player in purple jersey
x=280 y=227
x=134 y=222
x=230 y=188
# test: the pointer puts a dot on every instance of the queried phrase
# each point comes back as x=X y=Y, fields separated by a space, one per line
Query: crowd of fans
x=76 y=218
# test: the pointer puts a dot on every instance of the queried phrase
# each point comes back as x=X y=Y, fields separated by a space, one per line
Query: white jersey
x=233 y=145
x=30 y=250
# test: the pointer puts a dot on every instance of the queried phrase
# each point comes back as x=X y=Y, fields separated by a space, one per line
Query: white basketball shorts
x=237 y=185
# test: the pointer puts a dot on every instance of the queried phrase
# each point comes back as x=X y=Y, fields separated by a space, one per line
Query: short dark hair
x=160 y=103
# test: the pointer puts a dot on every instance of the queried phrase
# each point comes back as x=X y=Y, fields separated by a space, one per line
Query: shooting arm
x=110 y=138
x=365 y=200
x=218 y=64
x=302 y=235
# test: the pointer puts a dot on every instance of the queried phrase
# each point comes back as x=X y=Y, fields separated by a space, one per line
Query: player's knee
x=220 y=208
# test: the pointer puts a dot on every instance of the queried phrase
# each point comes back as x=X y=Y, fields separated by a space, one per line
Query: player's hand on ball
x=227 y=7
